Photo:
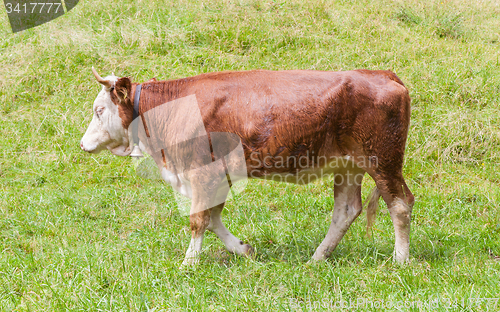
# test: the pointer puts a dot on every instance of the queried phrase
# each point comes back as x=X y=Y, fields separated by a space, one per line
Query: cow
x=344 y=123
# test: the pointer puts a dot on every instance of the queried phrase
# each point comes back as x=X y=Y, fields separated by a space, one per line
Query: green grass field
x=81 y=232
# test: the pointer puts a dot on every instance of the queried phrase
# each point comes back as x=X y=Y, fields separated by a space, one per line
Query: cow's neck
x=156 y=93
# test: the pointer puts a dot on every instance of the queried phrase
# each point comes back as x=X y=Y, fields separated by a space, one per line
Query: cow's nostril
x=81 y=144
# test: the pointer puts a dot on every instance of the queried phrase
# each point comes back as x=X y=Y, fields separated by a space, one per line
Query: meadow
x=82 y=232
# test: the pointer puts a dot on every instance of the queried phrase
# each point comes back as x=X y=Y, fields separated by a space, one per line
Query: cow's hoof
x=401 y=260
x=248 y=251
x=318 y=256
x=189 y=263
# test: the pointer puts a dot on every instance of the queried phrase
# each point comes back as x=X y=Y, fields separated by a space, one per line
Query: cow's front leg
x=198 y=222
x=232 y=243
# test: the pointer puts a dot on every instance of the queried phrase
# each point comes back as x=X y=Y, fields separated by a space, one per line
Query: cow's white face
x=106 y=129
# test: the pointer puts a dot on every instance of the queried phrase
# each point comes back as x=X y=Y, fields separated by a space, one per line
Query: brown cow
x=295 y=126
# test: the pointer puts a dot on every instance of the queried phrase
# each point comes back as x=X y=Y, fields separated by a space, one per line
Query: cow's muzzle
x=85 y=149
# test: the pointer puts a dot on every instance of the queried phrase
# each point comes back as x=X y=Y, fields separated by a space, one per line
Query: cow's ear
x=152 y=80
x=123 y=87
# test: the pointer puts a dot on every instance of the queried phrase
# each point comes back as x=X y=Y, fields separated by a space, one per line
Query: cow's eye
x=99 y=111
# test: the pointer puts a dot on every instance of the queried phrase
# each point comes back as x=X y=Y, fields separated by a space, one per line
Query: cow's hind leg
x=346 y=208
x=399 y=200
x=232 y=243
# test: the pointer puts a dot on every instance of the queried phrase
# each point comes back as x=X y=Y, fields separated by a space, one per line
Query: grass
x=85 y=233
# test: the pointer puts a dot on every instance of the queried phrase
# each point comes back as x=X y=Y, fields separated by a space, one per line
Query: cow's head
x=112 y=114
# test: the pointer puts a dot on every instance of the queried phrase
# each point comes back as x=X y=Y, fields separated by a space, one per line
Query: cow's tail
x=371 y=210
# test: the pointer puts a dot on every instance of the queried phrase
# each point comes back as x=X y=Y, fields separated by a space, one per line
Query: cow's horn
x=104 y=82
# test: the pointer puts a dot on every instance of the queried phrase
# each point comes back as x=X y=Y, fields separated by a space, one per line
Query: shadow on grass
x=300 y=251
x=367 y=253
